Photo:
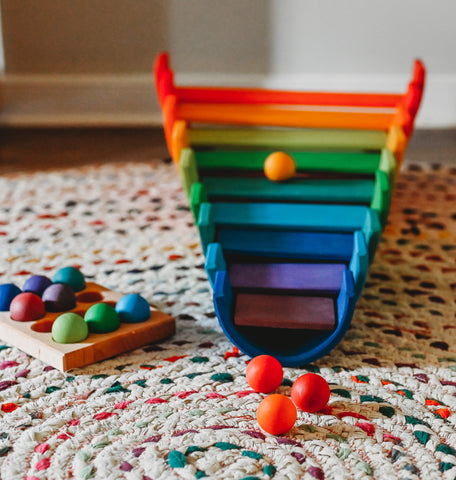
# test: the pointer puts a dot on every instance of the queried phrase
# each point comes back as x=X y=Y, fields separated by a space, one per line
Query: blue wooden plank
x=359 y=263
x=325 y=278
x=292 y=216
x=287 y=244
x=214 y=261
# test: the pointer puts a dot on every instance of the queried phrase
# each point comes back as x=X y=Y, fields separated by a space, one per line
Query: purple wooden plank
x=322 y=277
x=284 y=311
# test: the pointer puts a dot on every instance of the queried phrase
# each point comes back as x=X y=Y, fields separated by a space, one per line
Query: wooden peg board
x=35 y=338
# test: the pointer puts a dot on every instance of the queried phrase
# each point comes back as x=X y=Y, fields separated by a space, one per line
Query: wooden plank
x=359 y=191
x=188 y=170
x=165 y=84
x=286 y=139
x=267 y=115
x=389 y=165
x=341 y=162
x=35 y=338
x=381 y=198
x=215 y=262
x=287 y=244
x=325 y=278
x=335 y=218
x=284 y=311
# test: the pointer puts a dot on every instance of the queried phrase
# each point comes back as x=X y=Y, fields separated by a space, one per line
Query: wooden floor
x=45 y=149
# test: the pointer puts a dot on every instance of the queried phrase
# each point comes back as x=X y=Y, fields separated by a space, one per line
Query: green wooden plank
x=288 y=139
x=381 y=199
x=198 y=196
x=341 y=162
x=302 y=190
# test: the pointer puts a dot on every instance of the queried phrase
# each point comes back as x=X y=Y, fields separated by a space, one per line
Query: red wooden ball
x=310 y=392
x=26 y=307
x=264 y=373
x=276 y=414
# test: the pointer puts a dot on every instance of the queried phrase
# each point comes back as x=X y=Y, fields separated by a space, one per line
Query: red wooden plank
x=284 y=311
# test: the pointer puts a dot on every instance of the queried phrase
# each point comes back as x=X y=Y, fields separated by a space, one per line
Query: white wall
x=89 y=61
x=2 y=58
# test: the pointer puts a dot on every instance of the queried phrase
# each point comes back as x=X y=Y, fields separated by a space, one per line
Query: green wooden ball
x=69 y=328
x=102 y=318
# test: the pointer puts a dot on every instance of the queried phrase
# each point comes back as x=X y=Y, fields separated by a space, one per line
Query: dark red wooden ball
x=26 y=307
x=310 y=392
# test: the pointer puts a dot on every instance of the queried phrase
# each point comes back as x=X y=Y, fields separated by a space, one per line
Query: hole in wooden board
x=43 y=326
x=89 y=297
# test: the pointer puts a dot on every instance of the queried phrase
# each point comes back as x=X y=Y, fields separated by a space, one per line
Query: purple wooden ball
x=59 y=297
x=37 y=284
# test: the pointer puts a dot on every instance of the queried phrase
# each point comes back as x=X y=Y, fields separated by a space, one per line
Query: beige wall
x=124 y=36
x=242 y=36
x=70 y=60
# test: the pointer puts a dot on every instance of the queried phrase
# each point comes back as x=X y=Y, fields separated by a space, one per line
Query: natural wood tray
x=35 y=338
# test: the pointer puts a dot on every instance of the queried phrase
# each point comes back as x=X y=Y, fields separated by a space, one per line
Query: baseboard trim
x=130 y=100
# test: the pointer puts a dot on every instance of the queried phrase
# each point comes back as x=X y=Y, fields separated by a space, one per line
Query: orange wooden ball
x=264 y=373
x=279 y=166
x=276 y=414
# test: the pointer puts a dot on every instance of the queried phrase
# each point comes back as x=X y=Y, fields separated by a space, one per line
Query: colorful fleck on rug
x=182 y=408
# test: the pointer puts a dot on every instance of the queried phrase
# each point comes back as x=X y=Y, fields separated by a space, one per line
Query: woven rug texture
x=182 y=409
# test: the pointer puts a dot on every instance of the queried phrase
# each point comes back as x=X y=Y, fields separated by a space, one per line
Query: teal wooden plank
x=332 y=218
x=299 y=190
x=290 y=216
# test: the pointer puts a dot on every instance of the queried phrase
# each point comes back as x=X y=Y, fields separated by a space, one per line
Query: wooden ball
x=310 y=392
x=276 y=414
x=264 y=373
x=279 y=166
x=26 y=307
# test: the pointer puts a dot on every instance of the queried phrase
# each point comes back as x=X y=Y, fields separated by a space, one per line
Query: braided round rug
x=182 y=408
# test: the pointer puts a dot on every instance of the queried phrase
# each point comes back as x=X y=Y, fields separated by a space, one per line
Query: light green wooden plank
x=189 y=173
x=288 y=139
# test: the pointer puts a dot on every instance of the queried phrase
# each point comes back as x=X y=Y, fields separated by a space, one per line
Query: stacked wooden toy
x=290 y=192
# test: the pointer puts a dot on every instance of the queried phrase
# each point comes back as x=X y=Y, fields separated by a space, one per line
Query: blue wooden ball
x=7 y=292
x=133 y=308
x=70 y=276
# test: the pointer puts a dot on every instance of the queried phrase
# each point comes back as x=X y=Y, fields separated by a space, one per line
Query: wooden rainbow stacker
x=287 y=260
